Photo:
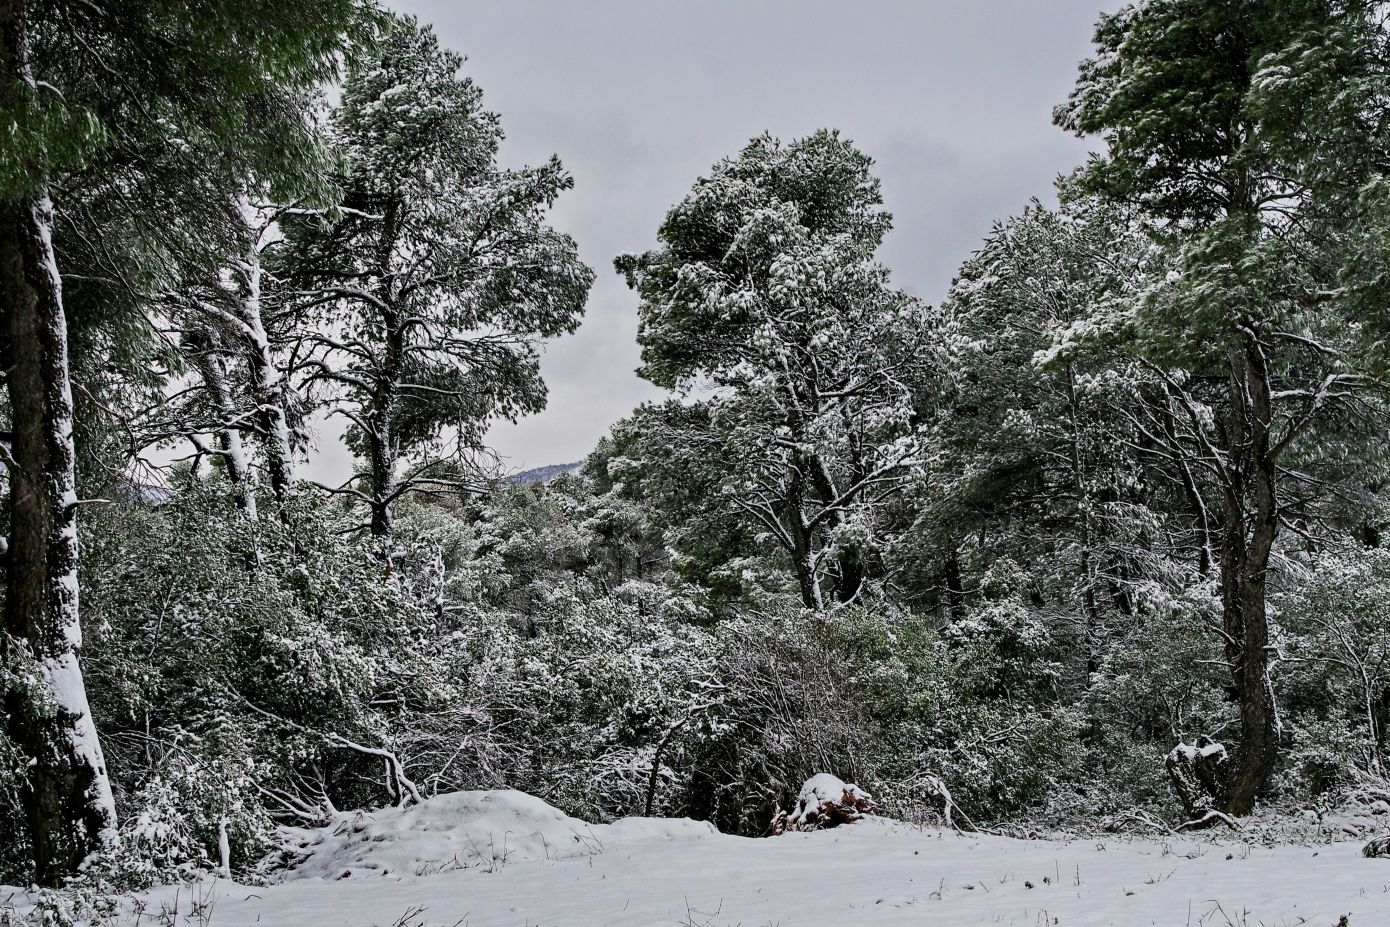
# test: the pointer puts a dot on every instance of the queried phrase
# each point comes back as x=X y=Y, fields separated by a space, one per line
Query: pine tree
x=766 y=288
x=433 y=286
x=1193 y=99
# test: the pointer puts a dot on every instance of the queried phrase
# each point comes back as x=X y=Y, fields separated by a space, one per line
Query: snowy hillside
x=545 y=474
x=505 y=859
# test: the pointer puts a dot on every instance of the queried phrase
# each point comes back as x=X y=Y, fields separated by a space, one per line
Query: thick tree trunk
x=802 y=553
x=1195 y=772
x=386 y=392
x=66 y=793
x=383 y=463
x=1249 y=529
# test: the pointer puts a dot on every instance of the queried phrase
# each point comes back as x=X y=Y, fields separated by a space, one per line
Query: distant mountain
x=544 y=474
x=137 y=493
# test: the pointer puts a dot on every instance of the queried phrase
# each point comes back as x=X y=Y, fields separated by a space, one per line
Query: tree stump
x=1195 y=772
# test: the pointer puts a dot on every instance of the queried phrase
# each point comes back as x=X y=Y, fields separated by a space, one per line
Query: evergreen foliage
x=1121 y=492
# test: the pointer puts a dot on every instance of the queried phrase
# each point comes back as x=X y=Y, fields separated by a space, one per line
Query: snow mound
x=825 y=801
x=460 y=830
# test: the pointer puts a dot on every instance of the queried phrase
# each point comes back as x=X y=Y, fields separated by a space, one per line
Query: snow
x=823 y=787
x=821 y=793
x=453 y=831
x=559 y=872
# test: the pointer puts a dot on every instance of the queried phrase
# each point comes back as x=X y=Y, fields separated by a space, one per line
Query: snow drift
x=458 y=830
x=505 y=859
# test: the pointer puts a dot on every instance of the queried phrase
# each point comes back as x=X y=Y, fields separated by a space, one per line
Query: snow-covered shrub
x=1335 y=680
x=229 y=660
x=970 y=705
x=573 y=710
x=789 y=710
x=887 y=700
x=201 y=801
x=1158 y=683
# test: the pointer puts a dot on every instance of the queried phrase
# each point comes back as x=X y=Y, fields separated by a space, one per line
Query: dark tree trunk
x=386 y=390
x=66 y=793
x=802 y=554
x=382 y=439
x=383 y=477
x=955 y=587
x=1249 y=529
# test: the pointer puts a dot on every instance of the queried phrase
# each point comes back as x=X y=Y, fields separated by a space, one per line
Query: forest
x=1097 y=544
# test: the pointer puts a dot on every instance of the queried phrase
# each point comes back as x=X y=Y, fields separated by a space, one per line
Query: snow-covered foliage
x=766 y=287
x=430 y=287
x=1098 y=543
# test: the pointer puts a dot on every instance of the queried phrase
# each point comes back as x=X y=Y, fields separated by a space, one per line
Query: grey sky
x=953 y=98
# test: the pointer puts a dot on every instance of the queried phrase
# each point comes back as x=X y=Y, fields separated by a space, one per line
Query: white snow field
x=506 y=859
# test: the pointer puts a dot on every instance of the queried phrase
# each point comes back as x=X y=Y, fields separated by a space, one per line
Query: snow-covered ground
x=504 y=859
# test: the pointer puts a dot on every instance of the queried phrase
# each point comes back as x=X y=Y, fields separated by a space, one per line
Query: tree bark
x=381 y=415
x=381 y=439
x=212 y=367
x=803 y=555
x=1249 y=529
x=67 y=794
x=267 y=382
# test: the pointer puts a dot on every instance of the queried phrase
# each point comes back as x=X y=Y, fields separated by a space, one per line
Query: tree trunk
x=267 y=382
x=381 y=414
x=382 y=439
x=383 y=476
x=67 y=794
x=212 y=367
x=1195 y=772
x=802 y=553
x=1248 y=532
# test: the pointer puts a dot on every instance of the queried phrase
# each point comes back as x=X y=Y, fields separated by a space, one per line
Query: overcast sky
x=952 y=98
